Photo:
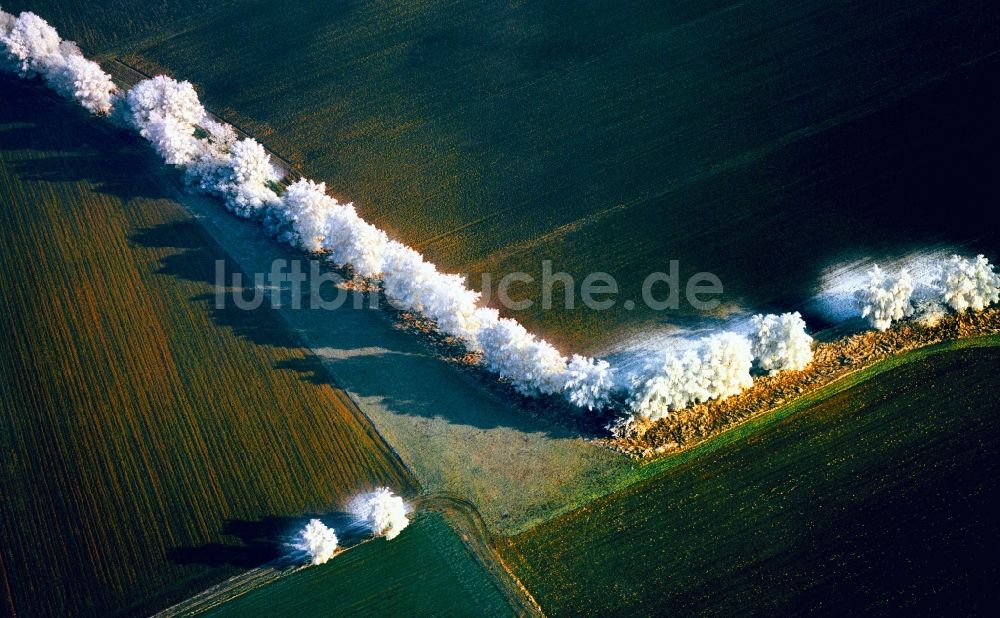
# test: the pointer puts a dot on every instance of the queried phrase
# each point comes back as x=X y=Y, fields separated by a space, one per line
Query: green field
x=756 y=140
x=879 y=497
x=425 y=572
x=143 y=430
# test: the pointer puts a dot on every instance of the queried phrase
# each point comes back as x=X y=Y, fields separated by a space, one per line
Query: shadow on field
x=36 y=121
x=265 y=540
x=361 y=342
x=195 y=261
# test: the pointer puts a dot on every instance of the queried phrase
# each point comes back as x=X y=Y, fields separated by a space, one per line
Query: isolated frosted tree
x=381 y=512
x=780 y=342
x=718 y=367
x=318 y=541
x=968 y=284
x=886 y=298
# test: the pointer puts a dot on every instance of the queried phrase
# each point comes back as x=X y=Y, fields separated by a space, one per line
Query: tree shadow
x=36 y=121
x=266 y=541
x=386 y=340
x=196 y=260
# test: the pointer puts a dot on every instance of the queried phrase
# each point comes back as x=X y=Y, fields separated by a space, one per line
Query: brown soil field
x=153 y=443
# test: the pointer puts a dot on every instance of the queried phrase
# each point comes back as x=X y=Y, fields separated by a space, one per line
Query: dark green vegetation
x=756 y=140
x=146 y=436
x=424 y=572
x=99 y=25
x=881 y=497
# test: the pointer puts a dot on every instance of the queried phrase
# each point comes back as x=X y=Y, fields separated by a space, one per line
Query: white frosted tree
x=968 y=283
x=166 y=112
x=588 y=382
x=305 y=207
x=219 y=135
x=454 y=307
x=780 y=342
x=29 y=45
x=412 y=283
x=886 y=298
x=532 y=366
x=247 y=185
x=381 y=512
x=717 y=367
x=406 y=277
x=318 y=541
x=211 y=165
x=84 y=81
x=352 y=241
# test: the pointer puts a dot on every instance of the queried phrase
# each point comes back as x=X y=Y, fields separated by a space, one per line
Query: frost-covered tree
x=6 y=24
x=532 y=366
x=350 y=240
x=718 y=367
x=219 y=135
x=166 y=112
x=318 y=541
x=317 y=222
x=454 y=307
x=83 y=80
x=173 y=140
x=780 y=342
x=588 y=382
x=414 y=284
x=305 y=207
x=968 y=284
x=246 y=185
x=406 y=277
x=383 y=513
x=211 y=165
x=886 y=298
x=29 y=45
